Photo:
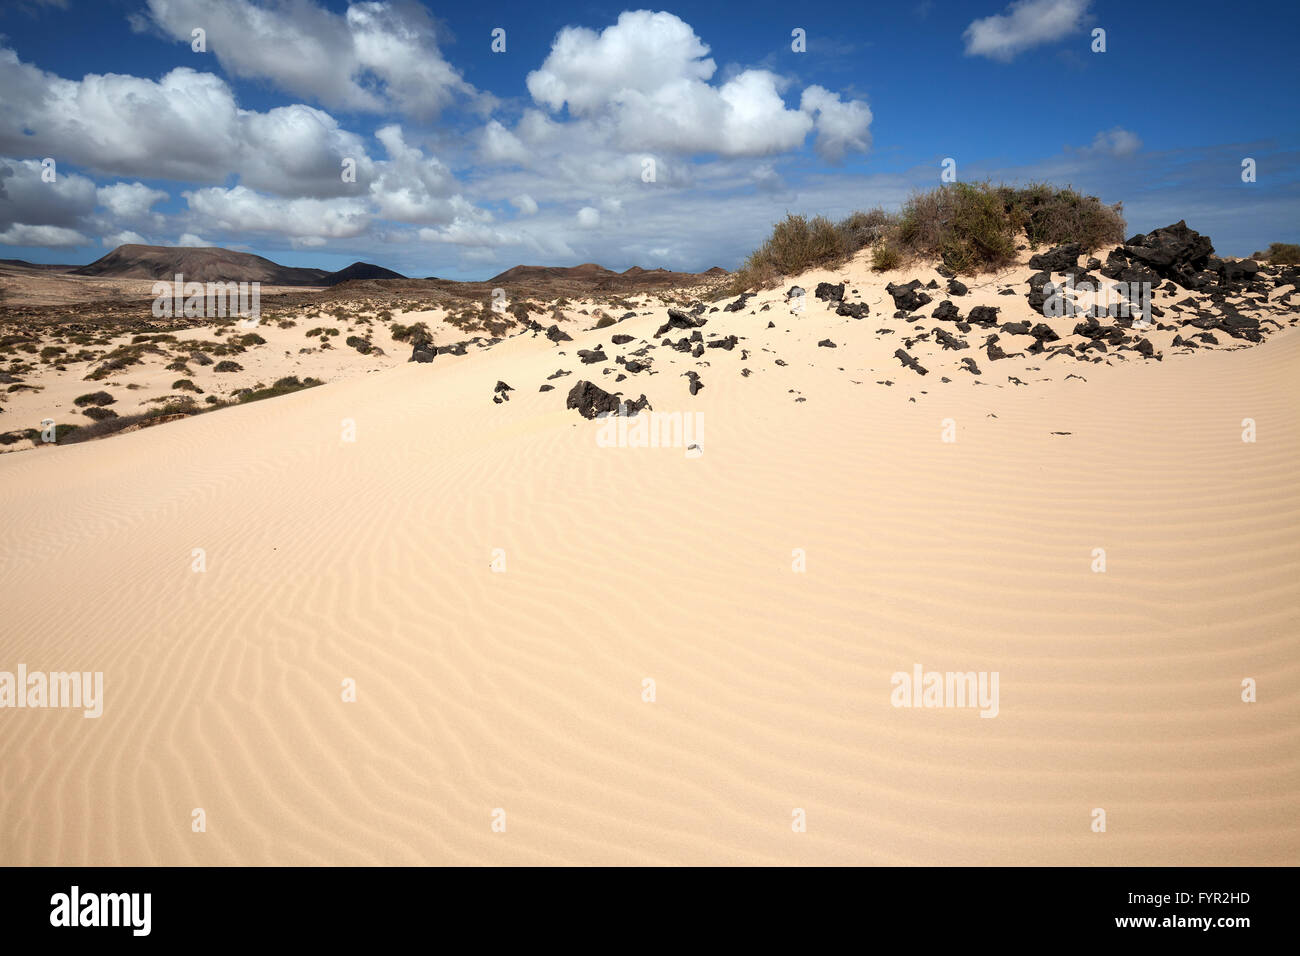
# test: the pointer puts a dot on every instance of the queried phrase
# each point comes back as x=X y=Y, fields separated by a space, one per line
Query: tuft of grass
x=885 y=257
x=797 y=244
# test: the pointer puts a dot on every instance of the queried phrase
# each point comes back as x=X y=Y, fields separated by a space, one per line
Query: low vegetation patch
x=971 y=227
x=282 y=387
x=1281 y=254
x=94 y=398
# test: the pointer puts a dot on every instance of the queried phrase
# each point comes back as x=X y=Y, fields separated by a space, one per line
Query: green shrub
x=407 y=333
x=1050 y=216
x=885 y=257
x=1283 y=254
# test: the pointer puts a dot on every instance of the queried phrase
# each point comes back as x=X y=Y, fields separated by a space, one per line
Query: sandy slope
x=522 y=690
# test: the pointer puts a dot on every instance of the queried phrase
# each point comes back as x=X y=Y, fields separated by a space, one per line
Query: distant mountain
x=586 y=271
x=361 y=270
x=36 y=266
x=212 y=264
x=197 y=264
x=590 y=272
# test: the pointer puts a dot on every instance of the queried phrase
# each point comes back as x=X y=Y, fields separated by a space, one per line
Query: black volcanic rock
x=592 y=400
x=828 y=292
x=906 y=297
x=1063 y=257
x=678 y=319
x=422 y=349
x=950 y=341
x=739 y=303
x=946 y=312
x=910 y=362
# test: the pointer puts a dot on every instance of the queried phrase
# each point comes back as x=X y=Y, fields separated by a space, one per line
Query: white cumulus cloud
x=1025 y=24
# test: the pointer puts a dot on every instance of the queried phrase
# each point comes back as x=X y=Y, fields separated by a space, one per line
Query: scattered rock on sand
x=910 y=362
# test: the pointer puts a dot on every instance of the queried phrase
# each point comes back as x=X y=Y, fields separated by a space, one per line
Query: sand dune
x=522 y=690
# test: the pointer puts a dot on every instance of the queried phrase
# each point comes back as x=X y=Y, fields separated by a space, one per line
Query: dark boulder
x=422 y=349
x=828 y=292
x=592 y=400
x=906 y=297
x=1063 y=257
x=946 y=312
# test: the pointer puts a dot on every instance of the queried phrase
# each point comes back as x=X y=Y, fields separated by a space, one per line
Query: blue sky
x=470 y=161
